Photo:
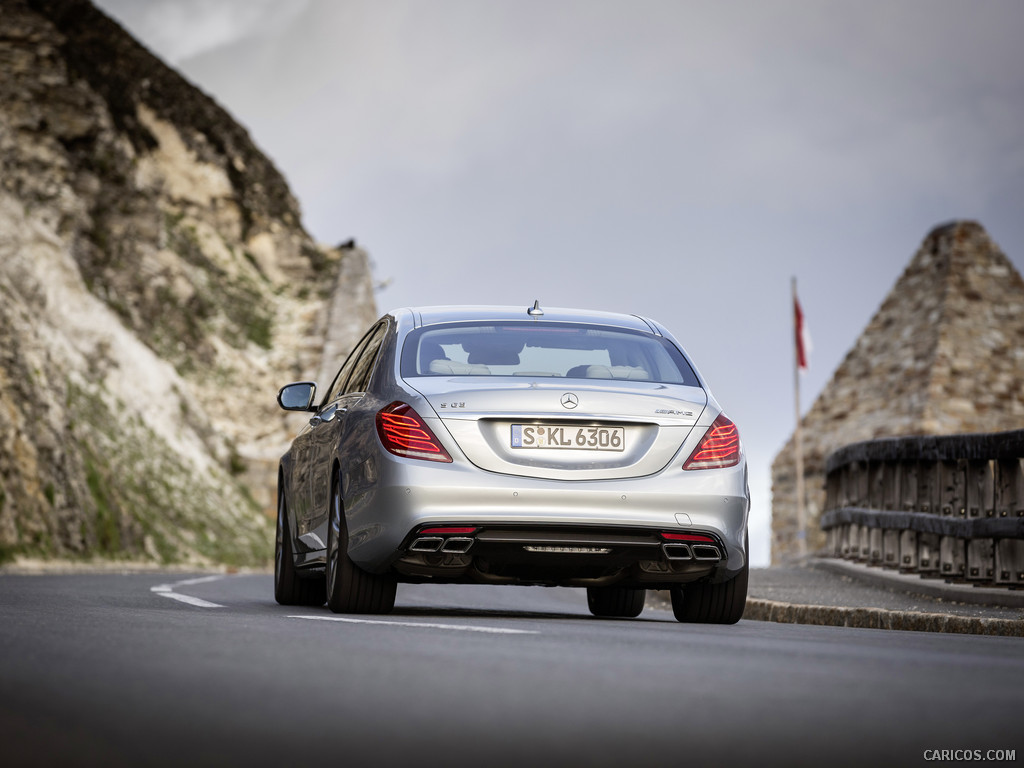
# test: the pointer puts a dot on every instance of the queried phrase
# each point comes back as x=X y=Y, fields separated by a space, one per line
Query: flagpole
x=798 y=442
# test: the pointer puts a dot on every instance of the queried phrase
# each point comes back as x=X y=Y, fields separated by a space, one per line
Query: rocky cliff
x=943 y=355
x=156 y=288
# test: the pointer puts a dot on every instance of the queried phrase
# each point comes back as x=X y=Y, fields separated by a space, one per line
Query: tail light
x=404 y=433
x=720 y=447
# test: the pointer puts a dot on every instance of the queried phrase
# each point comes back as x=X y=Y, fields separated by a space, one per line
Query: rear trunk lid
x=565 y=430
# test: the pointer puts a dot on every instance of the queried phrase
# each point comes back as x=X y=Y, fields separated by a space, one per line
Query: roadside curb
x=878 y=618
x=32 y=567
x=913 y=584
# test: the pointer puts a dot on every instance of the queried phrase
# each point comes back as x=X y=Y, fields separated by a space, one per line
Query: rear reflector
x=688 y=537
x=720 y=447
x=447 y=530
x=404 y=433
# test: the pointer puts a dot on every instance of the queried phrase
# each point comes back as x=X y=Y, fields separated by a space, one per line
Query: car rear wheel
x=349 y=588
x=616 y=602
x=704 y=603
x=289 y=587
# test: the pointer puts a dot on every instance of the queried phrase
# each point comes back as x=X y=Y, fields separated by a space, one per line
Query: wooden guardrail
x=947 y=507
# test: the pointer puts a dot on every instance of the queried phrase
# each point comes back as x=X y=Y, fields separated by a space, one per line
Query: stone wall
x=943 y=355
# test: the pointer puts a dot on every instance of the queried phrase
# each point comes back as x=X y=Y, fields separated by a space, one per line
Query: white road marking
x=423 y=625
x=167 y=590
x=197 y=602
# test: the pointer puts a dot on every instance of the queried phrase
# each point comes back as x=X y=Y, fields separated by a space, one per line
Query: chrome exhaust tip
x=706 y=552
x=677 y=551
x=426 y=544
x=457 y=545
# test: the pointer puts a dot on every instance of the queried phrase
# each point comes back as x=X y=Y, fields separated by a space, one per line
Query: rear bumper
x=571 y=556
x=384 y=516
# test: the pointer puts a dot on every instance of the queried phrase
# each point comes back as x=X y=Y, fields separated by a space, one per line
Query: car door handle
x=326 y=415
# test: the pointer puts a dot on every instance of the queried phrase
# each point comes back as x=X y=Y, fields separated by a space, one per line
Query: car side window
x=338 y=385
x=360 y=377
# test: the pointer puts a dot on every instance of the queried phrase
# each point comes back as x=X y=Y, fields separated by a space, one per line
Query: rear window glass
x=561 y=350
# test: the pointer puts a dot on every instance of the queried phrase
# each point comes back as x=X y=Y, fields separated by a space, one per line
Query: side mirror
x=298 y=396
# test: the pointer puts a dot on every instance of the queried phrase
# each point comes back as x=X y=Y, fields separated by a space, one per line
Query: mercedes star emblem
x=569 y=400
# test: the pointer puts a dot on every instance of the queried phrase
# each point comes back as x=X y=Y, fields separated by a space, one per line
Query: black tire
x=616 y=602
x=704 y=603
x=349 y=588
x=289 y=587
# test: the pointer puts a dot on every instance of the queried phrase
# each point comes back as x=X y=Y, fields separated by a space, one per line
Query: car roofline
x=441 y=314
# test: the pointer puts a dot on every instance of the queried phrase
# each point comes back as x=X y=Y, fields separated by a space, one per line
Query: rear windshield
x=561 y=350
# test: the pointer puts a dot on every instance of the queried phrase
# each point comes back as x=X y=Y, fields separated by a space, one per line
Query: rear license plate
x=564 y=437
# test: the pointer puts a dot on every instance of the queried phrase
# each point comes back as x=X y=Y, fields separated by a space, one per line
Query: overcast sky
x=681 y=160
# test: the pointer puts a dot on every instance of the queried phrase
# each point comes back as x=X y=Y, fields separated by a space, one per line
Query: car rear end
x=574 y=449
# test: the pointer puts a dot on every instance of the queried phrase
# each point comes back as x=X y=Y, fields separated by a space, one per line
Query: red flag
x=803 y=338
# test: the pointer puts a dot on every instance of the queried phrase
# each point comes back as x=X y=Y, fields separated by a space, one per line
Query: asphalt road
x=105 y=670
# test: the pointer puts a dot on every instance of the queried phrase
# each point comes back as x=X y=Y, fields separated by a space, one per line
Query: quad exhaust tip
x=455 y=545
x=426 y=544
x=706 y=552
x=677 y=551
x=697 y=546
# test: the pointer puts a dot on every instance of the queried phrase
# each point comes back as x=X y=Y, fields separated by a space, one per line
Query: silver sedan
x=502 y=445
